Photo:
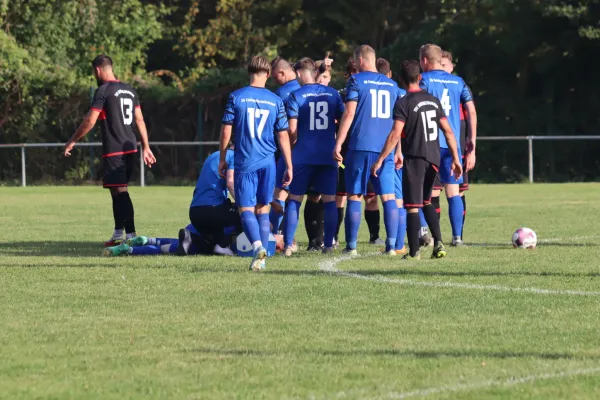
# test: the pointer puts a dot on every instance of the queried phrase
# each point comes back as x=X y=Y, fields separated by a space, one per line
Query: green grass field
x=74 y=325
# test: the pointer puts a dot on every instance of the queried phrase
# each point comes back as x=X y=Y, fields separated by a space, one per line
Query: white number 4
x=430 y=126
x=127 y=110
x=446 y=103
x=253 y=114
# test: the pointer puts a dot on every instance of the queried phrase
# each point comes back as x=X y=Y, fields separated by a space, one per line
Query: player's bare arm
x=86 y=126
x=345 y=124
x=286 y=151
x=230 y=186
x=472 y=137
x=293 y=124
x=392 y=141
x=149 y=158
x=451 y=141
x=398 y=158
x=224 y=140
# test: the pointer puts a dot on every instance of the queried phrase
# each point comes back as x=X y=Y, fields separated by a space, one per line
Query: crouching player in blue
x=312 y=111
x=368 y=120
x=254 y=114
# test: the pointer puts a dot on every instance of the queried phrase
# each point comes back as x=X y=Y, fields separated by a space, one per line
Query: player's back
x=452 y=91
x=211 y=189
x=116 y=101
x=375 y=95
x=286 y=89
x=256 y=114
x=316 y=107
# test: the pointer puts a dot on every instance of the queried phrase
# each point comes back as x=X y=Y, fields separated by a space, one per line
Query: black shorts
x=341 y=186
x=418 y=177
x=437 y=182
x=118 y=170
x=465 y=184
x=203 y=246
x=211 y=222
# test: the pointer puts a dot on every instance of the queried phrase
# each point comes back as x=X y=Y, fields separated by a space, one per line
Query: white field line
x=540 y=241
x=493 y=383
x=330 y=266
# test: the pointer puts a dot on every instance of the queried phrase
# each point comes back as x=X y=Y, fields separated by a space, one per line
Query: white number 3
x=127 y=110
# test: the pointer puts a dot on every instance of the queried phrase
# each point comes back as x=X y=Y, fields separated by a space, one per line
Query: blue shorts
x=280 y=171
x=256 y=187
x=445 y=171
x=321 y=179
x=398 y=184
x=358 y=173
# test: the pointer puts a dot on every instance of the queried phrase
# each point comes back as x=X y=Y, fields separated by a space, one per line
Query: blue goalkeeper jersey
x=375 y=95
x=256 y=115
x=451 y=91
x=211 y=189
x=316 y=107
x=286 y=89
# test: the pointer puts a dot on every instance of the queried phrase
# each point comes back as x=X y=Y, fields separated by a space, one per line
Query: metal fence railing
x=24 y=146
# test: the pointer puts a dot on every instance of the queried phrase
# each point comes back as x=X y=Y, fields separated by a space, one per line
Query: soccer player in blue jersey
x=312 y=111
x=285 y=76
x=368 y=119
x=452 y=91
x=254 y=115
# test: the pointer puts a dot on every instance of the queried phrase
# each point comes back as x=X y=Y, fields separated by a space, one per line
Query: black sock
x=433 y=222
x=118 y=211
x=373 y=217
x=319 y=229
x=435 y=202
x=464 y=200
x=413 y=224
x=128 y=213
x=340 y=211
x=310 y=220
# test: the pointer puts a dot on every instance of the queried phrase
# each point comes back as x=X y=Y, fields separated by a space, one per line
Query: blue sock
x=265 y=228
x=275 y=219
x=250 y=225
x=146 y=250
x=292 y=212
x=390 y=220
x=352 y=219
x=455 y=210
x=331 y=220
x=401 y=228
x=422 y=216
x=161 y=241
x=173 y=247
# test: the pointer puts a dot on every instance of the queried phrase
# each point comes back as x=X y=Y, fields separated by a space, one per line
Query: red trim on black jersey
x=115 y=185
x=96 y=109
x=119 y=153
x=413 y=205
x=102 y=116
x=434 y=167
x=138 y=106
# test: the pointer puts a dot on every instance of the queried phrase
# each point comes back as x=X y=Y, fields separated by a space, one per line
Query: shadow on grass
x=404 y=353
x=51 y=248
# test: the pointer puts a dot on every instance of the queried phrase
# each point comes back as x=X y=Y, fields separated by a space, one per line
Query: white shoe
x=457 y=242
x=223 y=251
x=288 y=251
x=258 y=261
x=390 y=252
x=350 y=252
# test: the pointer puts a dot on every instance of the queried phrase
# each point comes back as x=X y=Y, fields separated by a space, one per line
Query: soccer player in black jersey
x=117 y=106
x=417 y=117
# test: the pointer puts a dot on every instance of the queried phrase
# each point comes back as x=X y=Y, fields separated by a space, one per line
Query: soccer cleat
x=113 y=242
x=377 y=241
x=327 y=250
x=288 y=252
x=426 y=240
x=457 y=242
x=116 y=251
x=439 y=251
x=350 y=252
x=336 y=244
x=258 y=261
x=314 y=246
x=401 y=252
x=185 y=241
x=223 y=251
x=137 y=241
x=294 y=247
x=407 y=256
x=390 y=252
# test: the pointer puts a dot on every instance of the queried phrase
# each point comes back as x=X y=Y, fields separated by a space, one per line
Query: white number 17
x=253 y=114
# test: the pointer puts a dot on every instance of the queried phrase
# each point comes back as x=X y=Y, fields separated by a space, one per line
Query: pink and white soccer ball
x=524 y=238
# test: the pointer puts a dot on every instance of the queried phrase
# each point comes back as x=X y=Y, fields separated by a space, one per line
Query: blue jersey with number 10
x=256 y=114
x=451 y=91
x=375 y=95
x=316 y=107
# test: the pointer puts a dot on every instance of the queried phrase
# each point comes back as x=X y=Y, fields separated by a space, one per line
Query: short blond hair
x=365 y=51
x=259 y=64
x=432 y=52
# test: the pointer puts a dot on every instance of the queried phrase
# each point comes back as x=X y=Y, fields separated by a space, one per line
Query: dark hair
x=383 y=66
x=259 y=64
x=447 y=54
x=410 y=71
x=351 y=67
x=280 y=63
x=305 y=63
x=102 y=61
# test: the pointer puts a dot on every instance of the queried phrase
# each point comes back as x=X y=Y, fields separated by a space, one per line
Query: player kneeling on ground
x=312 y=111
x=417 y=117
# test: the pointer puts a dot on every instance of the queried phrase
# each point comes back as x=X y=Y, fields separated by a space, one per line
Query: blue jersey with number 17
x=375 y=95
x=451 y=91
x=316 y=107
x=256 y=115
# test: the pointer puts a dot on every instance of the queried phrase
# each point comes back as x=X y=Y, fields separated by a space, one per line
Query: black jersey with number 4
x=421 y=113
x=116 y=102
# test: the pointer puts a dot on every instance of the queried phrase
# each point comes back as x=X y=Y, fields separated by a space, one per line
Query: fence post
x=530 y=143
x=142 y=172
x=23 y=170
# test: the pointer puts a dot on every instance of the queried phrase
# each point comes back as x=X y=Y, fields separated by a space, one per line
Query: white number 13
x=127 y=110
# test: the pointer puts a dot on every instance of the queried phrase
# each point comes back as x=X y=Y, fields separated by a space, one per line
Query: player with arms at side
x=117 y=106
x=312 y=111
x=367 y=118
x=417 y=117
x=254 y=115
x=452 y=91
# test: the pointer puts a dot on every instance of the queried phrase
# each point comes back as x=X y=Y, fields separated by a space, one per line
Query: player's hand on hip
x=287 y=177
x=149 y=158
x=398 y=160
x=471 y=160
x=456 y=169
x=375 y=168
x=223 y=169
x=68 y=147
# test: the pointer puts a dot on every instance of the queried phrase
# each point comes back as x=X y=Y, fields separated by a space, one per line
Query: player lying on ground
x=117 y=106
x=417 y=117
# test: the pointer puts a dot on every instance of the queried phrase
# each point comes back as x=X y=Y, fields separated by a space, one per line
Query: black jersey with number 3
x=116 y=102
x=421 y=113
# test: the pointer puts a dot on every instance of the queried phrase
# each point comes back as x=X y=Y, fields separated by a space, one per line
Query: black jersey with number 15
x=116 y=102
x=421 y=113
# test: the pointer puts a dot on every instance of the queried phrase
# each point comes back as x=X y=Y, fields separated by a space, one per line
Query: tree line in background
x=529 y=63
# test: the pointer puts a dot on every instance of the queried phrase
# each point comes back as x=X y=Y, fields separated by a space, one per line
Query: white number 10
x=380 y=103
